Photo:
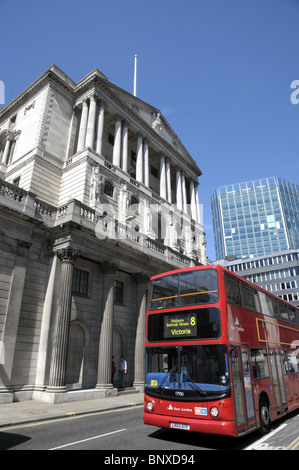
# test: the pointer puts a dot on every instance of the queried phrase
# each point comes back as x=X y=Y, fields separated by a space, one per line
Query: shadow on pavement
x=10 y=440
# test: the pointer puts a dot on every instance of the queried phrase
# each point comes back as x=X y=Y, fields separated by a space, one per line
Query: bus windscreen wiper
x=164 y=380
x=194 y=384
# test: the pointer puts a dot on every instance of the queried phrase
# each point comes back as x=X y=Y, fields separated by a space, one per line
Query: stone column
x=83 y=124
x=192 y=198
x=67 y=257
x=89 y=141
x=124 y=162
x=12 y=316
x=168 y=180
x=179 y=201
x=117 y=142
x=48 y=307
x=139 y=372
x=139 y=159
x=100 y=131
x=70 y=149
x=5 y=152
x=106 y=337
x=162 y=177
x=146 y=163
x=184 y=194
x=197 y=204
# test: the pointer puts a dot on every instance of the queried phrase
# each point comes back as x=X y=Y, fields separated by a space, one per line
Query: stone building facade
x=97 y=193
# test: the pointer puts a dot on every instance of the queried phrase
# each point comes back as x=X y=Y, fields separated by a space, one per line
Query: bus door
x=278 y=382
x=242 y=388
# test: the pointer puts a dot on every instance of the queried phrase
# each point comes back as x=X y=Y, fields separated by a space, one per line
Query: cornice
x=52 y=74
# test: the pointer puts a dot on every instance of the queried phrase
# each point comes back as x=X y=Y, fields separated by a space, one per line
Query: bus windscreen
x=193 y=372
x=183 y=289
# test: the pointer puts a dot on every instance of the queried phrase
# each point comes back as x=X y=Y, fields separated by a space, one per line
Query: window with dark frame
x=108 y=188
x=16 y=181
x=111 y=138
x=80 y=282
x=133 y=157
x=118 y=292
x=154 y=172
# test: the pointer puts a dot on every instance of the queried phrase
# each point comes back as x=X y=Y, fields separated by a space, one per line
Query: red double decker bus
x=222 y=354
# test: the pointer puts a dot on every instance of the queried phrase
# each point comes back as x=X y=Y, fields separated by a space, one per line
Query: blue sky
x=219 y=70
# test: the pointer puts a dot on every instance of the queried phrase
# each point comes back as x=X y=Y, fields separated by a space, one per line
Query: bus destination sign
x=178 y=325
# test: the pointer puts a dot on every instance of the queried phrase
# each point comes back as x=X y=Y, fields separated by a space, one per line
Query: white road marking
x=265 y=438
x=89 y=439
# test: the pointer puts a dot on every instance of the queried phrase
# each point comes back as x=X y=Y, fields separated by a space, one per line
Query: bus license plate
x=184 y=426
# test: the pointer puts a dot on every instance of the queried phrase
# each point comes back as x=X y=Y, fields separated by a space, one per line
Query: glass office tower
x=255 y=218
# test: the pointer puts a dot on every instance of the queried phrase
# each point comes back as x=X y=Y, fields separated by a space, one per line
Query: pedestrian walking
x=122 y=370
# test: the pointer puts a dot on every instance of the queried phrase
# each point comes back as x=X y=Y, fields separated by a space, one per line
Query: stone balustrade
x=104 y=225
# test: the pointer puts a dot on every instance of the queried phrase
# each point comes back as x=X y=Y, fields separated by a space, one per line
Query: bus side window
x=251 y=299
x=283 y=311
x=260 y=365
x=233 y=291
x=290 y=362
x=287 y=313
x=266 y=304
x=294 y=316
x=275 y=307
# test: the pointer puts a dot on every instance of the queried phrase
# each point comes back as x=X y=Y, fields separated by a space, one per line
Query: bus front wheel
x=265 y=420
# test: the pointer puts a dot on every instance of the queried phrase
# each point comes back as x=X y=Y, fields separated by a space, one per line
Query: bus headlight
x=214 y=411
x=150 y=406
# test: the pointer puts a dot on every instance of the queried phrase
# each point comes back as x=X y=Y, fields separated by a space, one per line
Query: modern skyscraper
x=255 y=218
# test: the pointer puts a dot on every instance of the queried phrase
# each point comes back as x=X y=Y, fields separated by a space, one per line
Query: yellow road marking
x=293 y=444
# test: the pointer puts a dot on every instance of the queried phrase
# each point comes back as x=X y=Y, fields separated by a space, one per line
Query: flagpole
x=135 y=76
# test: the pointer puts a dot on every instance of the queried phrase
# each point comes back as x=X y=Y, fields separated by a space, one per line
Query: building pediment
x=133 y=108
x=156 y=123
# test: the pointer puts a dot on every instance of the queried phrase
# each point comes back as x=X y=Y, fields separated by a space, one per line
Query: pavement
x=31 y=411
